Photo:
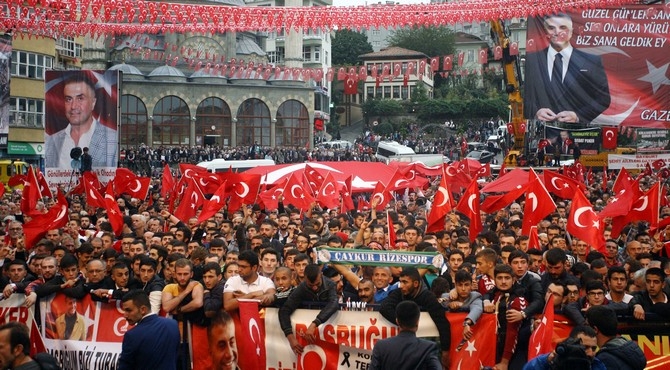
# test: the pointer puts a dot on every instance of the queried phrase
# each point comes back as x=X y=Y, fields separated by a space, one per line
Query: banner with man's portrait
x=611 y=67
x=82 y=110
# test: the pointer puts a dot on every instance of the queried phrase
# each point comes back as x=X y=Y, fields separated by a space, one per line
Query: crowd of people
x=148 y=161
x=197 y=270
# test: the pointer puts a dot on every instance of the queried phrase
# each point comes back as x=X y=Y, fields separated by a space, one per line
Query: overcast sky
x=364 y=2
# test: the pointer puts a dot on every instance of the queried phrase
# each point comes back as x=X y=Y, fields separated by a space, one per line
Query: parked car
x=483 y=156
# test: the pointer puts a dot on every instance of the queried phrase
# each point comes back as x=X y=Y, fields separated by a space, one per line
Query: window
x=317 y=54
x=172 y=120
x=404 y=67
x=375 y=32
x=326 y=61
x=370 y=92
x=25 y=112
x=471 y=56
x=213 y=122
x=403 y=92
x=387 y=92
x=133 y=129
x=68 y=48
x=396 y=92
x=307 y=53
x=292 y=124
x=30 y=65
x=272 y=57
x=253 y=123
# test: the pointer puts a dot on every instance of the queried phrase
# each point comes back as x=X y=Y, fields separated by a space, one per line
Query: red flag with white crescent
x=541 y=339
x=327 y=194
x=469 y=206
x=214 y=204
x=55 y=218
x=584 y=223
x=114 y=214
x=250 y=336
x=441 y=206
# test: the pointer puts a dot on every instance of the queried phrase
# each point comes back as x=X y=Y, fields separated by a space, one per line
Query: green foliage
x=385 y=128
x=420 y=93
x=347 y=45
x=432 y=41
x=382 y=108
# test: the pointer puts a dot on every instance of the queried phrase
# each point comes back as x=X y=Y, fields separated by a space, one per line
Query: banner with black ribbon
x=367 y=257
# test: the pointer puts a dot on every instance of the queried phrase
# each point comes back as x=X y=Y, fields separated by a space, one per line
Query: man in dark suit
x=564 y=84
x=154 y=341
x=406 y=351
x=411 y=288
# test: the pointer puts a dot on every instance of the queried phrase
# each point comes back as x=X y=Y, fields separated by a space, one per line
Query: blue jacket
x=151 y=345
x=541 y=363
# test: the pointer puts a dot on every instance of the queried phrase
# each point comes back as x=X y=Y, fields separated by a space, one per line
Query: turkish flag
x=514 y=48
x=313 y=178
x=469 y=206
x=270 y=197
x=45 y=191
x=295 y=193
x=541 y=339
x=610 y=136
x=214 y=204
x=341 y=74
x=382 y=195
x=560 y=185
x=624 y=181
x=497 y=52
x=455 y=177
x=422 y=66
x=373 y=71
x=113 y=211
x=386 y=70
x=398 y=182
x=362 y=204
x=16 y=180
x=476 y=352
x=362 y=73
x=93 y=196
x=493 y=203
x=534 y=239
x=189 y=202
x=483 y=57
x=584 y=223
x=190 y=170
x=30 y=194
x=250 y=337
x=243 y=188
x=350 y=87
x=658 y=164
x=647 y=206
x=405 y=80
x=442 y=205
x=327 y=194
x=168 y=181
x=461 y=58
x=345 y=193
x=390 y=230
x=538 y=203
x=448 y=63
x=434 y=64
x=208 y=182
x=56 y=218
x=415 y=173
x=329 y=75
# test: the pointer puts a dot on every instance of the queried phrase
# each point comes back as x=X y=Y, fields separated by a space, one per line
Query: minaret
x=293 y=44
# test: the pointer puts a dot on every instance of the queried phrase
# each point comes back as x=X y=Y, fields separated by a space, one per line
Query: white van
x=337 y=144
x=386 y=150
x=222 y=165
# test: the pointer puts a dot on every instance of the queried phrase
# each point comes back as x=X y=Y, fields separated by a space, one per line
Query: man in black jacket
x=616 y=352
x=315 y=288
x=411 y=288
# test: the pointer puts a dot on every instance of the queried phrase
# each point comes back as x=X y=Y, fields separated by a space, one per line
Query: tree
x=432 y=41
x=347 y=46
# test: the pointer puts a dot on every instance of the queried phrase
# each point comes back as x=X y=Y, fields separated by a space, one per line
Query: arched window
x=172 y=120
x=133 y=130
x=213 y=123
x=253 y=123
x=292 y=124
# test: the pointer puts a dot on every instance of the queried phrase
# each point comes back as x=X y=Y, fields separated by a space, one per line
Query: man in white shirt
x=83 y=129
x=248 y=284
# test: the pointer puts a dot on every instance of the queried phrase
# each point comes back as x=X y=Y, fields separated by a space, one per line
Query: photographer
x=575 y=353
